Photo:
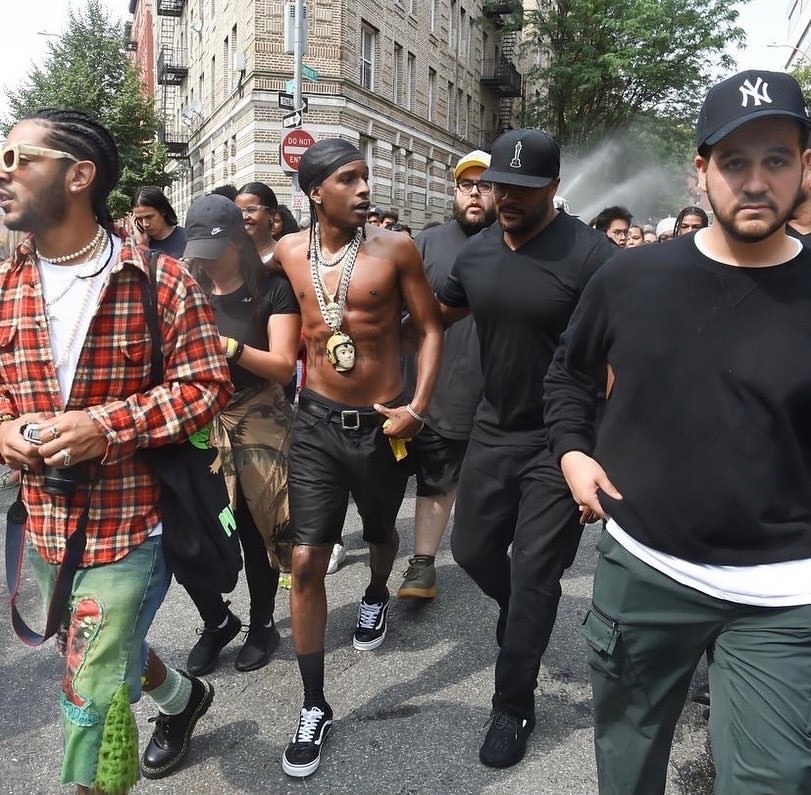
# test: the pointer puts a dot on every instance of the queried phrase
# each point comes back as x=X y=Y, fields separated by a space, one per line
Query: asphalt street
x=409 y=716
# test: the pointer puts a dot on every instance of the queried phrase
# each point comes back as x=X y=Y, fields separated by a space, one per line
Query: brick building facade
x=413 y=83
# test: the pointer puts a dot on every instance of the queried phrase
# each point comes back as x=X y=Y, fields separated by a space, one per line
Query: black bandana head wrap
x=322 y=159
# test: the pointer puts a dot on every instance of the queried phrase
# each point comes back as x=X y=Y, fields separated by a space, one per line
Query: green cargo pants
x=646 y=633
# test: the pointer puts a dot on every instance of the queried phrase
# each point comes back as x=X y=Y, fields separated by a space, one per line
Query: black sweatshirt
x=707 y=432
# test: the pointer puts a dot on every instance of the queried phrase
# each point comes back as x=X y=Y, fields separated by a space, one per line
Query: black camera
x=61 y=481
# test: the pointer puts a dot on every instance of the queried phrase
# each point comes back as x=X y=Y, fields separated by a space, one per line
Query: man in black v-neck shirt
x=520 y=279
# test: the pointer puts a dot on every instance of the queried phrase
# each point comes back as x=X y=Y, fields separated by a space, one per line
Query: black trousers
x=261 y=577
x=516 y=495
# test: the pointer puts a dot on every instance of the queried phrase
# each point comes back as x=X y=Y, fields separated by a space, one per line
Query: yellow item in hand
x=398 y=447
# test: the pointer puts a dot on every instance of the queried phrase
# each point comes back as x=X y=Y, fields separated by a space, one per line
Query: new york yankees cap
x=210 y=225
x=747 y=96
x=526 y=157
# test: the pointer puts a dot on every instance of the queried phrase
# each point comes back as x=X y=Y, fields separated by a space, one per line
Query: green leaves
x=87 y=69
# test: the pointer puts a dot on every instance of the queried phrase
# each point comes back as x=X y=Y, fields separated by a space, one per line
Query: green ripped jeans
x=646 y=633
x=110 y=611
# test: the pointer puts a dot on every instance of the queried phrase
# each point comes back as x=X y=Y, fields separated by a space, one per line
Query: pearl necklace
x=80 y=274
x=76 y=254
x=62 y=360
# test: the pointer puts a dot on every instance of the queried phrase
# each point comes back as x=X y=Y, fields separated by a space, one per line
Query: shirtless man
x=351 y=281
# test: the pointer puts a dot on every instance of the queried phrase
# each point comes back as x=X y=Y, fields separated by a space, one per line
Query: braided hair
x=85 y=137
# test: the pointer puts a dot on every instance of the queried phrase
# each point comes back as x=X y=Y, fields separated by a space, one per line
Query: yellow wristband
x=230 y=347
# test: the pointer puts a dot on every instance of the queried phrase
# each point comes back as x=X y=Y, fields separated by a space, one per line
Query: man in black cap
x=704 y=455
x=520 y=278
x=351 y=281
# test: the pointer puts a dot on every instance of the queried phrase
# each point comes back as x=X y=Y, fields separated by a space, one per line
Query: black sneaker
x=303 y=753
x=170 y=739
x=260 y=644
x=205 y=653
x=506 y=740
x=371 y=627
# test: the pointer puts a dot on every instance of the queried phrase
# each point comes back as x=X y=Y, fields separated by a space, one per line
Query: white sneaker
x=336 y=558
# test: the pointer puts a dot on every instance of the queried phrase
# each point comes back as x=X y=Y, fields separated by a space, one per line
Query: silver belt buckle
x=350 y=420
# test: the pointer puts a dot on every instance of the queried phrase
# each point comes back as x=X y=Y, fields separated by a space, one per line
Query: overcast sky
x=24 y=20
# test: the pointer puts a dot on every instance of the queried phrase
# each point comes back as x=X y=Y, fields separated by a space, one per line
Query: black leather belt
x=348 y=419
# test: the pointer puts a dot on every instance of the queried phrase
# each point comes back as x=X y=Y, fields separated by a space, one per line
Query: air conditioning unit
x=239 y=62
x=290 y=28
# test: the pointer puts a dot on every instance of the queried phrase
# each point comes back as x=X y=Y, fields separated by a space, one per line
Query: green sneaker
x=419 y=580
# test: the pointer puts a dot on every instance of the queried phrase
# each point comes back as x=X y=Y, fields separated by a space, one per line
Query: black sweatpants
x=516 y=495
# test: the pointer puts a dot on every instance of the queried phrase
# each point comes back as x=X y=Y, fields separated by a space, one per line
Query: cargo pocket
x=602 y=634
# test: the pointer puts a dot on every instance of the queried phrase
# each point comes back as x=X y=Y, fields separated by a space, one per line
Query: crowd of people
x=536 y=372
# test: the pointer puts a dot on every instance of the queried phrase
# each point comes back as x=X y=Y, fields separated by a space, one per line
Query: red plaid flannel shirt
x=112 y=385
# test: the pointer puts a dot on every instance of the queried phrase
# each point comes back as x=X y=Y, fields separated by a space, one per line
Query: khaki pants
x=646 y=633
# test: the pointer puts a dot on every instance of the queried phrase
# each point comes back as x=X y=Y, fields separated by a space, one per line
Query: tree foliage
x=602 y=63
x=87 y=69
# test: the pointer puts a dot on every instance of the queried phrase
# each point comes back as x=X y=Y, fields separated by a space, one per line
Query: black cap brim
x=206 y=248
x=509 y=178
x=733 y=125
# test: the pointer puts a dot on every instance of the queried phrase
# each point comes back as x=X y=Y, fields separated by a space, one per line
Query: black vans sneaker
x=303 y=753
x=371 y=627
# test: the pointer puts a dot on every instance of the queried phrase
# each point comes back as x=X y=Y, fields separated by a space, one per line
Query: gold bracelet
x=7 y=417
x=230 y=348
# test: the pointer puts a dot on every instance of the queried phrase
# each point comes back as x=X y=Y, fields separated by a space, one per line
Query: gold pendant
x=341 y=352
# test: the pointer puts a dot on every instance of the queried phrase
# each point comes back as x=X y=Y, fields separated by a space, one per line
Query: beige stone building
x=413 y=83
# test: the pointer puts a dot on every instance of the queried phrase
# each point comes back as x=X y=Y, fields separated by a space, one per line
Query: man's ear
x=80 y=176
x=701 y=171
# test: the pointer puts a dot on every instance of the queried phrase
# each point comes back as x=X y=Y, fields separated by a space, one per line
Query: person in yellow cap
x=438 y=449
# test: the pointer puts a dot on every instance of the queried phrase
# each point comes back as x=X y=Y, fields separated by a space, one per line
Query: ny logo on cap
x=516 y=161
x=759 y=93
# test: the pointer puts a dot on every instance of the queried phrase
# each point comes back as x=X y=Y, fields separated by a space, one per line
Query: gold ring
x=66 y=457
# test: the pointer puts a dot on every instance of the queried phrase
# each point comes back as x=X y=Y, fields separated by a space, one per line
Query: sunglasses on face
x=466 y=186
x=10 y=156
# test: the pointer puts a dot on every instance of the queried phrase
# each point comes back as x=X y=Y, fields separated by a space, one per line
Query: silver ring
x=54 y=432
x=25 y=468
x=66 y=457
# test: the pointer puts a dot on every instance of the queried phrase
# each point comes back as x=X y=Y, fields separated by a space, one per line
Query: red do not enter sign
x=294 y=144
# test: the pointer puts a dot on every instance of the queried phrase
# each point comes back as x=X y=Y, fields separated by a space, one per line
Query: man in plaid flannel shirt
x=75 y=365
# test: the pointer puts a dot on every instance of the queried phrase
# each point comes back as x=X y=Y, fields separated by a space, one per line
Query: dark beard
x=470 y=228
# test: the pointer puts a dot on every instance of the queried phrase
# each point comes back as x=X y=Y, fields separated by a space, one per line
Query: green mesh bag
x=117 y=770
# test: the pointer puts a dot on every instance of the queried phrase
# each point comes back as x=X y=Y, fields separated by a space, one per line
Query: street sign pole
x=298 y=56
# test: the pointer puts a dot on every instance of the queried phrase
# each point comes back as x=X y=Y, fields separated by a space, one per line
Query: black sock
x=426 y=558
x=312 y=677
x=375 y=593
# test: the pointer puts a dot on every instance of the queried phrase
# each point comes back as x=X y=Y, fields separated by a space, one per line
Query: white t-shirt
x=782 y=584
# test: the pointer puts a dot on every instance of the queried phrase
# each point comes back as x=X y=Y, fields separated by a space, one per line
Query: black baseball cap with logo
x=527 y=157
x=210 y=224
x=748 y=96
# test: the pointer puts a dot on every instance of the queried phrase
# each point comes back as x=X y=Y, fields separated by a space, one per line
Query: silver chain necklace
x=332 y=305
x=323 y=261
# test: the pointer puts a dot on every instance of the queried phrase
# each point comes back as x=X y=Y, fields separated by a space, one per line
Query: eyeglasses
x=619 y=232
x=253 y=209
x=12 y=155
x=466 y=186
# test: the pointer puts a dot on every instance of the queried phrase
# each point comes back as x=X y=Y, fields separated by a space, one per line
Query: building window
x=368 y=42
x=396 y=93
x=462 y=37
x=432 y=14
x=411 y=70
x=226 y=71
x=452 y=27
x=366 y=146
x=431 y=94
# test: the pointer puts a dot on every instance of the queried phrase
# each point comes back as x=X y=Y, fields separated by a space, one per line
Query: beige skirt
x=253 y=436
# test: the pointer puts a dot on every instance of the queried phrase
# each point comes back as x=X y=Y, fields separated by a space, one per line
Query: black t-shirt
x=173 y=244
x=707 y=432
x=459 y=382
x=239 y=316
x=521 y=302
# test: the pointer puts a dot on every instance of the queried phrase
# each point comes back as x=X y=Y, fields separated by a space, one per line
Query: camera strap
x=60 y=597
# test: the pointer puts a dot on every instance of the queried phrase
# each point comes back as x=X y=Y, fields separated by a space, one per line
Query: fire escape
x=500 y=74
x=172 y=70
